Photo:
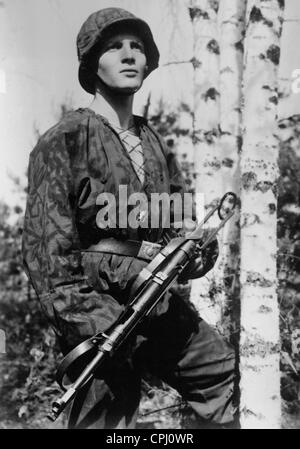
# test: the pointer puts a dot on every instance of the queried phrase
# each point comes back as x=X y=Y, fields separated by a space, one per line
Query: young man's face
x=122 y=62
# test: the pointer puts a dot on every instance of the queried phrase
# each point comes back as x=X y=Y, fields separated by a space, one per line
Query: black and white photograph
x=150 y=217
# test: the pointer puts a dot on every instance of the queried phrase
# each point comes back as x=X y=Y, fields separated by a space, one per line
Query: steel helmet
x=94 y=31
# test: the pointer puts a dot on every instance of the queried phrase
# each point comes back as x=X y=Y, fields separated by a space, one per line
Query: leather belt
x=142 y=250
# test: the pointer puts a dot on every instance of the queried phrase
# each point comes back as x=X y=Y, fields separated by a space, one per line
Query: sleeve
x=51 y=250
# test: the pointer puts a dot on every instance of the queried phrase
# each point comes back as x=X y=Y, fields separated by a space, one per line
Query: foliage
x=289 y=267
x=31 y=353
x=169 y=126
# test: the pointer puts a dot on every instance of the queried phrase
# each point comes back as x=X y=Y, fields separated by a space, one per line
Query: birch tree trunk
x=259 y=342
x=206 y=292
x=231 y=24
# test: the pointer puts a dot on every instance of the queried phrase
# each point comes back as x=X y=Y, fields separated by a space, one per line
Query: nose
x=127 y=53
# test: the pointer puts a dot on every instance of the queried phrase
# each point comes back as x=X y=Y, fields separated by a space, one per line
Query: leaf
x=37 y=354
x=295 y=342
x=288 y=360
x=15 y=395
x=23 y=411
x=47 y=339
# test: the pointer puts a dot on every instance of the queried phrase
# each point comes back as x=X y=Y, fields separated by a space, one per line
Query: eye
x=114 y=46
x=138 y=46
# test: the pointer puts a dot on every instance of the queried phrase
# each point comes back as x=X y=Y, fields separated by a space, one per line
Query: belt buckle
x=148 y=250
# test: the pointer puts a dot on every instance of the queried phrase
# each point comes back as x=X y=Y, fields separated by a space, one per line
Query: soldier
x=82 y=271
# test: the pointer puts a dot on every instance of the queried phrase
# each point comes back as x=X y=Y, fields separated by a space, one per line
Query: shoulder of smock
x=71 y=123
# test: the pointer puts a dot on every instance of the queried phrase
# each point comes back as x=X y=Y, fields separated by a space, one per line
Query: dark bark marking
x=213 y=47
x=273 y=53
x=211 y=93
x=197 y=13
x=249 y=180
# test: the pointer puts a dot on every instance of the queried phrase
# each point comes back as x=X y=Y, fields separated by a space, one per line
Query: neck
x=115 y=107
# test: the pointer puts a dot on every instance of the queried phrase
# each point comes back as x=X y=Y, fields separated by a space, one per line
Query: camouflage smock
x=82 y=156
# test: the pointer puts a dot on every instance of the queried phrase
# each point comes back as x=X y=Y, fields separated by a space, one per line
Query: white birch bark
x=205 y=293
x=231 y=23
x=259 y=340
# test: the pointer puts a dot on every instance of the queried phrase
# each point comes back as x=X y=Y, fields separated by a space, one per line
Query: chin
x=129 y=85
x=128 y=90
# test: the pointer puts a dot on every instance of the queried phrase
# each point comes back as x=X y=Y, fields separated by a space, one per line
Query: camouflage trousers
x=178 y=347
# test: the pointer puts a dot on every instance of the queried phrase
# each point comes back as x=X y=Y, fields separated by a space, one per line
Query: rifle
x=153 y=281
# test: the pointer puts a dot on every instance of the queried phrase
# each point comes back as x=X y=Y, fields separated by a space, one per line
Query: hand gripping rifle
x=153 y=281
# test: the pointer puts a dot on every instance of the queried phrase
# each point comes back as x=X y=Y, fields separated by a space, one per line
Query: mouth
x=131 y=71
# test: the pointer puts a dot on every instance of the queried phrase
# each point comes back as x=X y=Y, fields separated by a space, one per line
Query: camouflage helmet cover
x=94 y=30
